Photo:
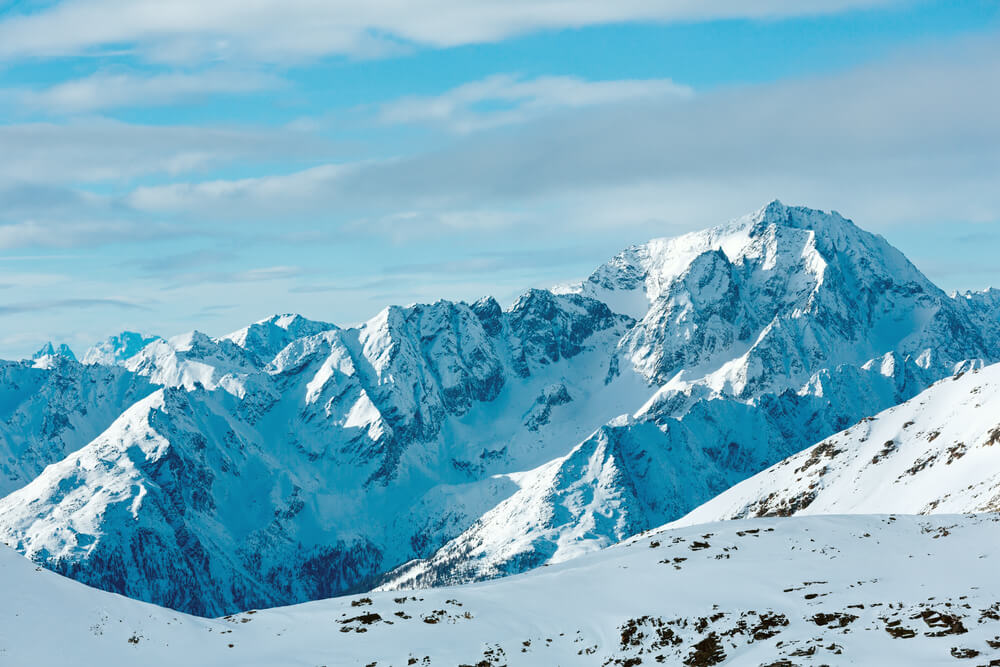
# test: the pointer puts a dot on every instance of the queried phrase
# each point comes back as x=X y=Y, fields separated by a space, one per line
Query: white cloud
x=106 y=90
x=267 y=30
x=505 y=99
x=266 y=194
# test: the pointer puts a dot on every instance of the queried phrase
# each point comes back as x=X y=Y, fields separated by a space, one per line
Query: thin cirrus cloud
x=64 y=304
x=196 y=31
x=100 y=150
x=48 y=168
x=109 y=90
x=75 y=233
x=292 y=192
x=505 y=99
x=177 y=262
x=264 y=274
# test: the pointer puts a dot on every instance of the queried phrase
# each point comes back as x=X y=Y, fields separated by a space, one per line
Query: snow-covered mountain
x=117 y=348
x=836 y=590
x=53 y=406
x=450 y=442
x=983 y=306
x=50 y=350
x=351 y=451
x=637 y=472
x=937 y=453
x=761 y=332
x=759 y=305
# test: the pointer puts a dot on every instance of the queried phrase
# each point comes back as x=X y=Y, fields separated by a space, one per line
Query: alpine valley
x=448 y=443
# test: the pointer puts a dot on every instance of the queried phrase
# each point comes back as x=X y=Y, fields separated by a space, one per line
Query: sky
x=169 y=166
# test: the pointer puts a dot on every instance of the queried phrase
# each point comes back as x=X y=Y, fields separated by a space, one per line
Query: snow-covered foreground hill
x=939 y=452
x=440 y=443
x=834 y=590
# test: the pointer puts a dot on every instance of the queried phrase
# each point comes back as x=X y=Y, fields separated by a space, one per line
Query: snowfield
x=833 y=590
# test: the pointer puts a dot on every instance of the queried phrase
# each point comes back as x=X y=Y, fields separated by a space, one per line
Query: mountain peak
x=116 y=349
x=774 y=209
x=797 y=217
x=49 y=350
x=773 y=234
x=289 y=321
x=191 y=340
x=265 y=338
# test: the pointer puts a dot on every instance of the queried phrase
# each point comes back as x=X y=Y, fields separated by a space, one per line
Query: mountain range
x=446 y=443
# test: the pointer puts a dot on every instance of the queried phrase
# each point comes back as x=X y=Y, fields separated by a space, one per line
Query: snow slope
x=445 y=442
x=831 y=590
x=936 y=453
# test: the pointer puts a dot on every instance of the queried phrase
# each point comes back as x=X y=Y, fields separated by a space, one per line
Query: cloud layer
x=99 y=150
x=504 y=99
x=915 y=139
x=295 y=30
x=110 y=90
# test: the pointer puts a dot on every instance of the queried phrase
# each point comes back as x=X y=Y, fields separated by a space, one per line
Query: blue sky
x=169 y=166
